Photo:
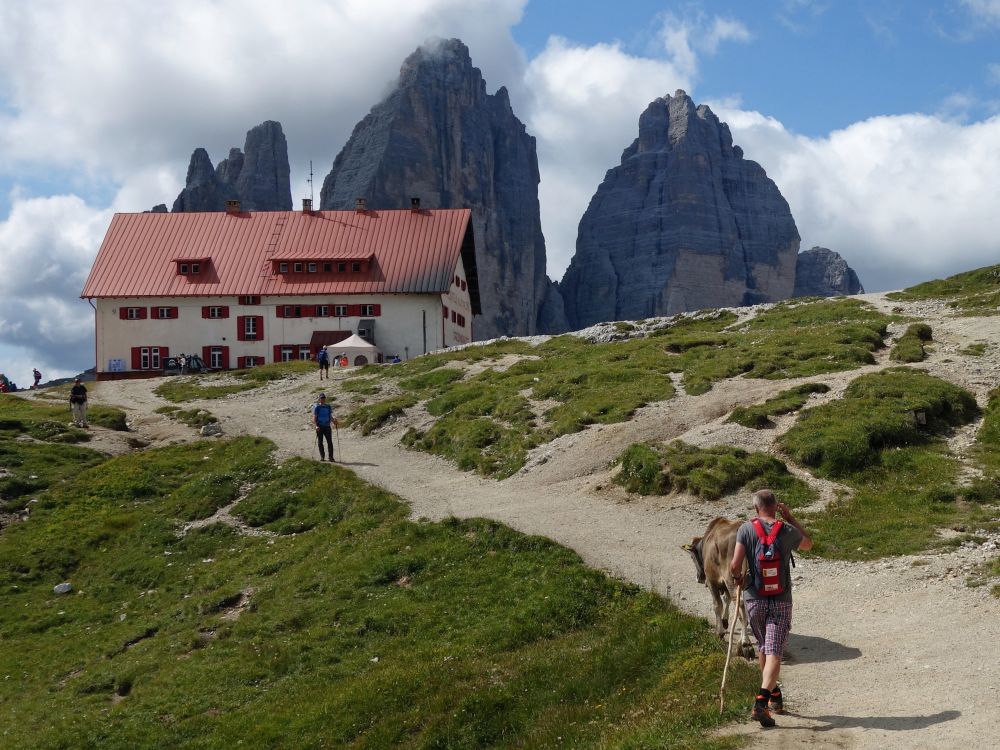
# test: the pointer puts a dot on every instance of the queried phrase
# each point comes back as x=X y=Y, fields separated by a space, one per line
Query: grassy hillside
x=339 y=624
x=970 y=293
x=488 y=415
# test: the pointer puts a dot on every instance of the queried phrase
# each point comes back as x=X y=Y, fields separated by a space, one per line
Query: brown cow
x=711 y=554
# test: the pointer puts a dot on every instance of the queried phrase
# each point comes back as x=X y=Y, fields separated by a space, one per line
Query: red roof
x=411 y=252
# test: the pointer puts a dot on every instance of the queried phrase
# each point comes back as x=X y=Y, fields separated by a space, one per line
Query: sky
x=879 y=120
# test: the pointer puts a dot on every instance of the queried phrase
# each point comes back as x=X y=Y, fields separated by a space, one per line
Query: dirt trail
x=895 y=654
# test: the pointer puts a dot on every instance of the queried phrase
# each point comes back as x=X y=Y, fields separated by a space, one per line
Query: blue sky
x=877 y=120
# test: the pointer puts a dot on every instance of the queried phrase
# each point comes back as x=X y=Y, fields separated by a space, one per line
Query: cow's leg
x=721 y=621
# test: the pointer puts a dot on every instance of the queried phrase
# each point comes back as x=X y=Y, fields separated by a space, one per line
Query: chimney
x=361 y=205
x=415 y=205
x=233 y=207
x=307 y=205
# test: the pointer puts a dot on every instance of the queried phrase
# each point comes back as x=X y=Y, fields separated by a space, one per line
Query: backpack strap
x=758 y=527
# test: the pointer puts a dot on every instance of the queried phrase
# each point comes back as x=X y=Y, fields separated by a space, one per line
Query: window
x=311 y=267
x=215 y=357
x=250 y=328
x=457 y=280
x=340 y=311
x=341 y=268
x=252 y=361
x=215 y=312
x=322 y=311
x=282 y=268
x=304 y=352
x=460 y=320
x=250 y=300
x=454 y=316
x=182 y=268
x=135 y=313
x=149 y=357
x=286 y=354
x=368 y=310
x=297 y=267
x=165 y=313
x=464 y=285
x=327 y=267
x=195 y=268
x=355 y=267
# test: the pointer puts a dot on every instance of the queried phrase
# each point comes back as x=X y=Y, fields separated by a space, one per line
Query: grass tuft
x=758 y=416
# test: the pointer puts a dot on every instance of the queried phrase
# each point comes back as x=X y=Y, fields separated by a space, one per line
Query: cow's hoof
x=748 y=652
x=725 y=626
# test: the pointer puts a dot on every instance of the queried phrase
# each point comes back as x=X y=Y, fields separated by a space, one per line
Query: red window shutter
x=173 y=313
x=164 y=353
x=225 y=358
x=260 y=327
x=277 y=352
x=142 y=313
x=136 y=358
x=353 y=311
x=123 y=313
x=241 y=362
x=444 y=311
x=454 y=316
x=225 y=311
x=279 y=311
x=206 y=355
x=378 y=310
x=204 y=312
x=241 y=328
x=308 y=311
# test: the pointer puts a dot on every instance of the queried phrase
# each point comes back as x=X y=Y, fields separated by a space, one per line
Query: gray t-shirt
x=789 y=539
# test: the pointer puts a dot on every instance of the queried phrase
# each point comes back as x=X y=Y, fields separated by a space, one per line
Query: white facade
x=405 y=325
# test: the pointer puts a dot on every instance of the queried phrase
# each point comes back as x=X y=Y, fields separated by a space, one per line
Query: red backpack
x=767 y=576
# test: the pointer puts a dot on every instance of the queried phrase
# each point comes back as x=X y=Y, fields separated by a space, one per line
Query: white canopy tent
x=356 y=349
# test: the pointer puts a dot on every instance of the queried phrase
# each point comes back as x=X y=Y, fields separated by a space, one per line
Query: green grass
x=970 y=293
x=488 y=421
x=191 y=417
x=974 y=350
x=905 y=484
x=987 y=450
x=356 y=627
x=367 y=419
x=910 y=346
x=708 y=473
x=219 y=385
x=758 y=416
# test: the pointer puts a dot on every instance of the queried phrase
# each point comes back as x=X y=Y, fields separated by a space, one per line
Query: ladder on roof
x=271 y=246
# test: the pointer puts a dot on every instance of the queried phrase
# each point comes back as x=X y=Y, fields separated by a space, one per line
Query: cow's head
x=694 y=549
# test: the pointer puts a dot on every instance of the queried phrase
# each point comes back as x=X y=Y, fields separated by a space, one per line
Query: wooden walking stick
x=340 y=450
x=729 y=647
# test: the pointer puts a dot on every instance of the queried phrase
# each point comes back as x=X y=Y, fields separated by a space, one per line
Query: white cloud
x=903 y=199
x=988 y=10
x=46 y=248
x=993 y=74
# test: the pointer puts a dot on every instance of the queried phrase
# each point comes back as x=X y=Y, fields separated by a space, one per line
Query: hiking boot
x=776 y=703
x=762 y=715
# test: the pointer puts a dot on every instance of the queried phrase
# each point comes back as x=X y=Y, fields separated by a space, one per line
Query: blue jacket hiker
x=323 y=359
x=322 y=419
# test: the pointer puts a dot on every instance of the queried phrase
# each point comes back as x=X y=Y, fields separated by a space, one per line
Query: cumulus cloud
x=903 y=198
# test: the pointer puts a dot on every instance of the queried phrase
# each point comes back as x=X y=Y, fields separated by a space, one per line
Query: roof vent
x=307 y=205
x=415 y=205
x=361 y=205
x=233 y=207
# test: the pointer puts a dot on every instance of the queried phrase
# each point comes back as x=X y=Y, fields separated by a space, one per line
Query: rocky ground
x=891 y=654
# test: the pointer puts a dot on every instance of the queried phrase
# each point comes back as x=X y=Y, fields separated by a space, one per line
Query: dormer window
x=327 y=267
x=298 y=268
x=190 y=266
x=195 y=268
x=341 y=268
x=355 y=267
x=312 y=268
x=183 y=269
x=282 y=268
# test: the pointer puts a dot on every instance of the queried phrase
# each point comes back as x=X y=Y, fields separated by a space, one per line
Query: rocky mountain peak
x=684 y=222
x=821 y=272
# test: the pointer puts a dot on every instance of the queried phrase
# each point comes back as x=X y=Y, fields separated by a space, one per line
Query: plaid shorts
x=770 y=622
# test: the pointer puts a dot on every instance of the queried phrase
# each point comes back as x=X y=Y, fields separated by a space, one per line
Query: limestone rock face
x=258 y=176
x=440 y=137
x=820 y=272
x=683 y=223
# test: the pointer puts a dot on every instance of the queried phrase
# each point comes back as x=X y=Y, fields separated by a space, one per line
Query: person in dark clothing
x=323 y=358
x=322 y=419
x=78 y=403
x=769 y=614
x=38 y=377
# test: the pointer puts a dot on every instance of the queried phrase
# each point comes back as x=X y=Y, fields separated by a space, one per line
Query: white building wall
x=457 y=300
x=409 y=325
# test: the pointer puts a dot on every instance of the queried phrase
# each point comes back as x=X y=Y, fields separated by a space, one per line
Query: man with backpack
x=322 y=419
x=323 y=358
x=766 y=544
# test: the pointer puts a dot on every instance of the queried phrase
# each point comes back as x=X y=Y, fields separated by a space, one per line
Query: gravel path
x=895 y=654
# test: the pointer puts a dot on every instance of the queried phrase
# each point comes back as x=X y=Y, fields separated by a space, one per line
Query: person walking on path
x=323 y=358
x=38 y=377
x=767 y=590
x=78 y=403
x=322 y=419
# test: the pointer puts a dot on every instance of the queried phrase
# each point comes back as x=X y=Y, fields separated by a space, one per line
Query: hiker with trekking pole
x=765 y=544
x=322 y=418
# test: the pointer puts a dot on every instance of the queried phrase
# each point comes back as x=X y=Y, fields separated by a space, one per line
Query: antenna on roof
x=311 y=196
